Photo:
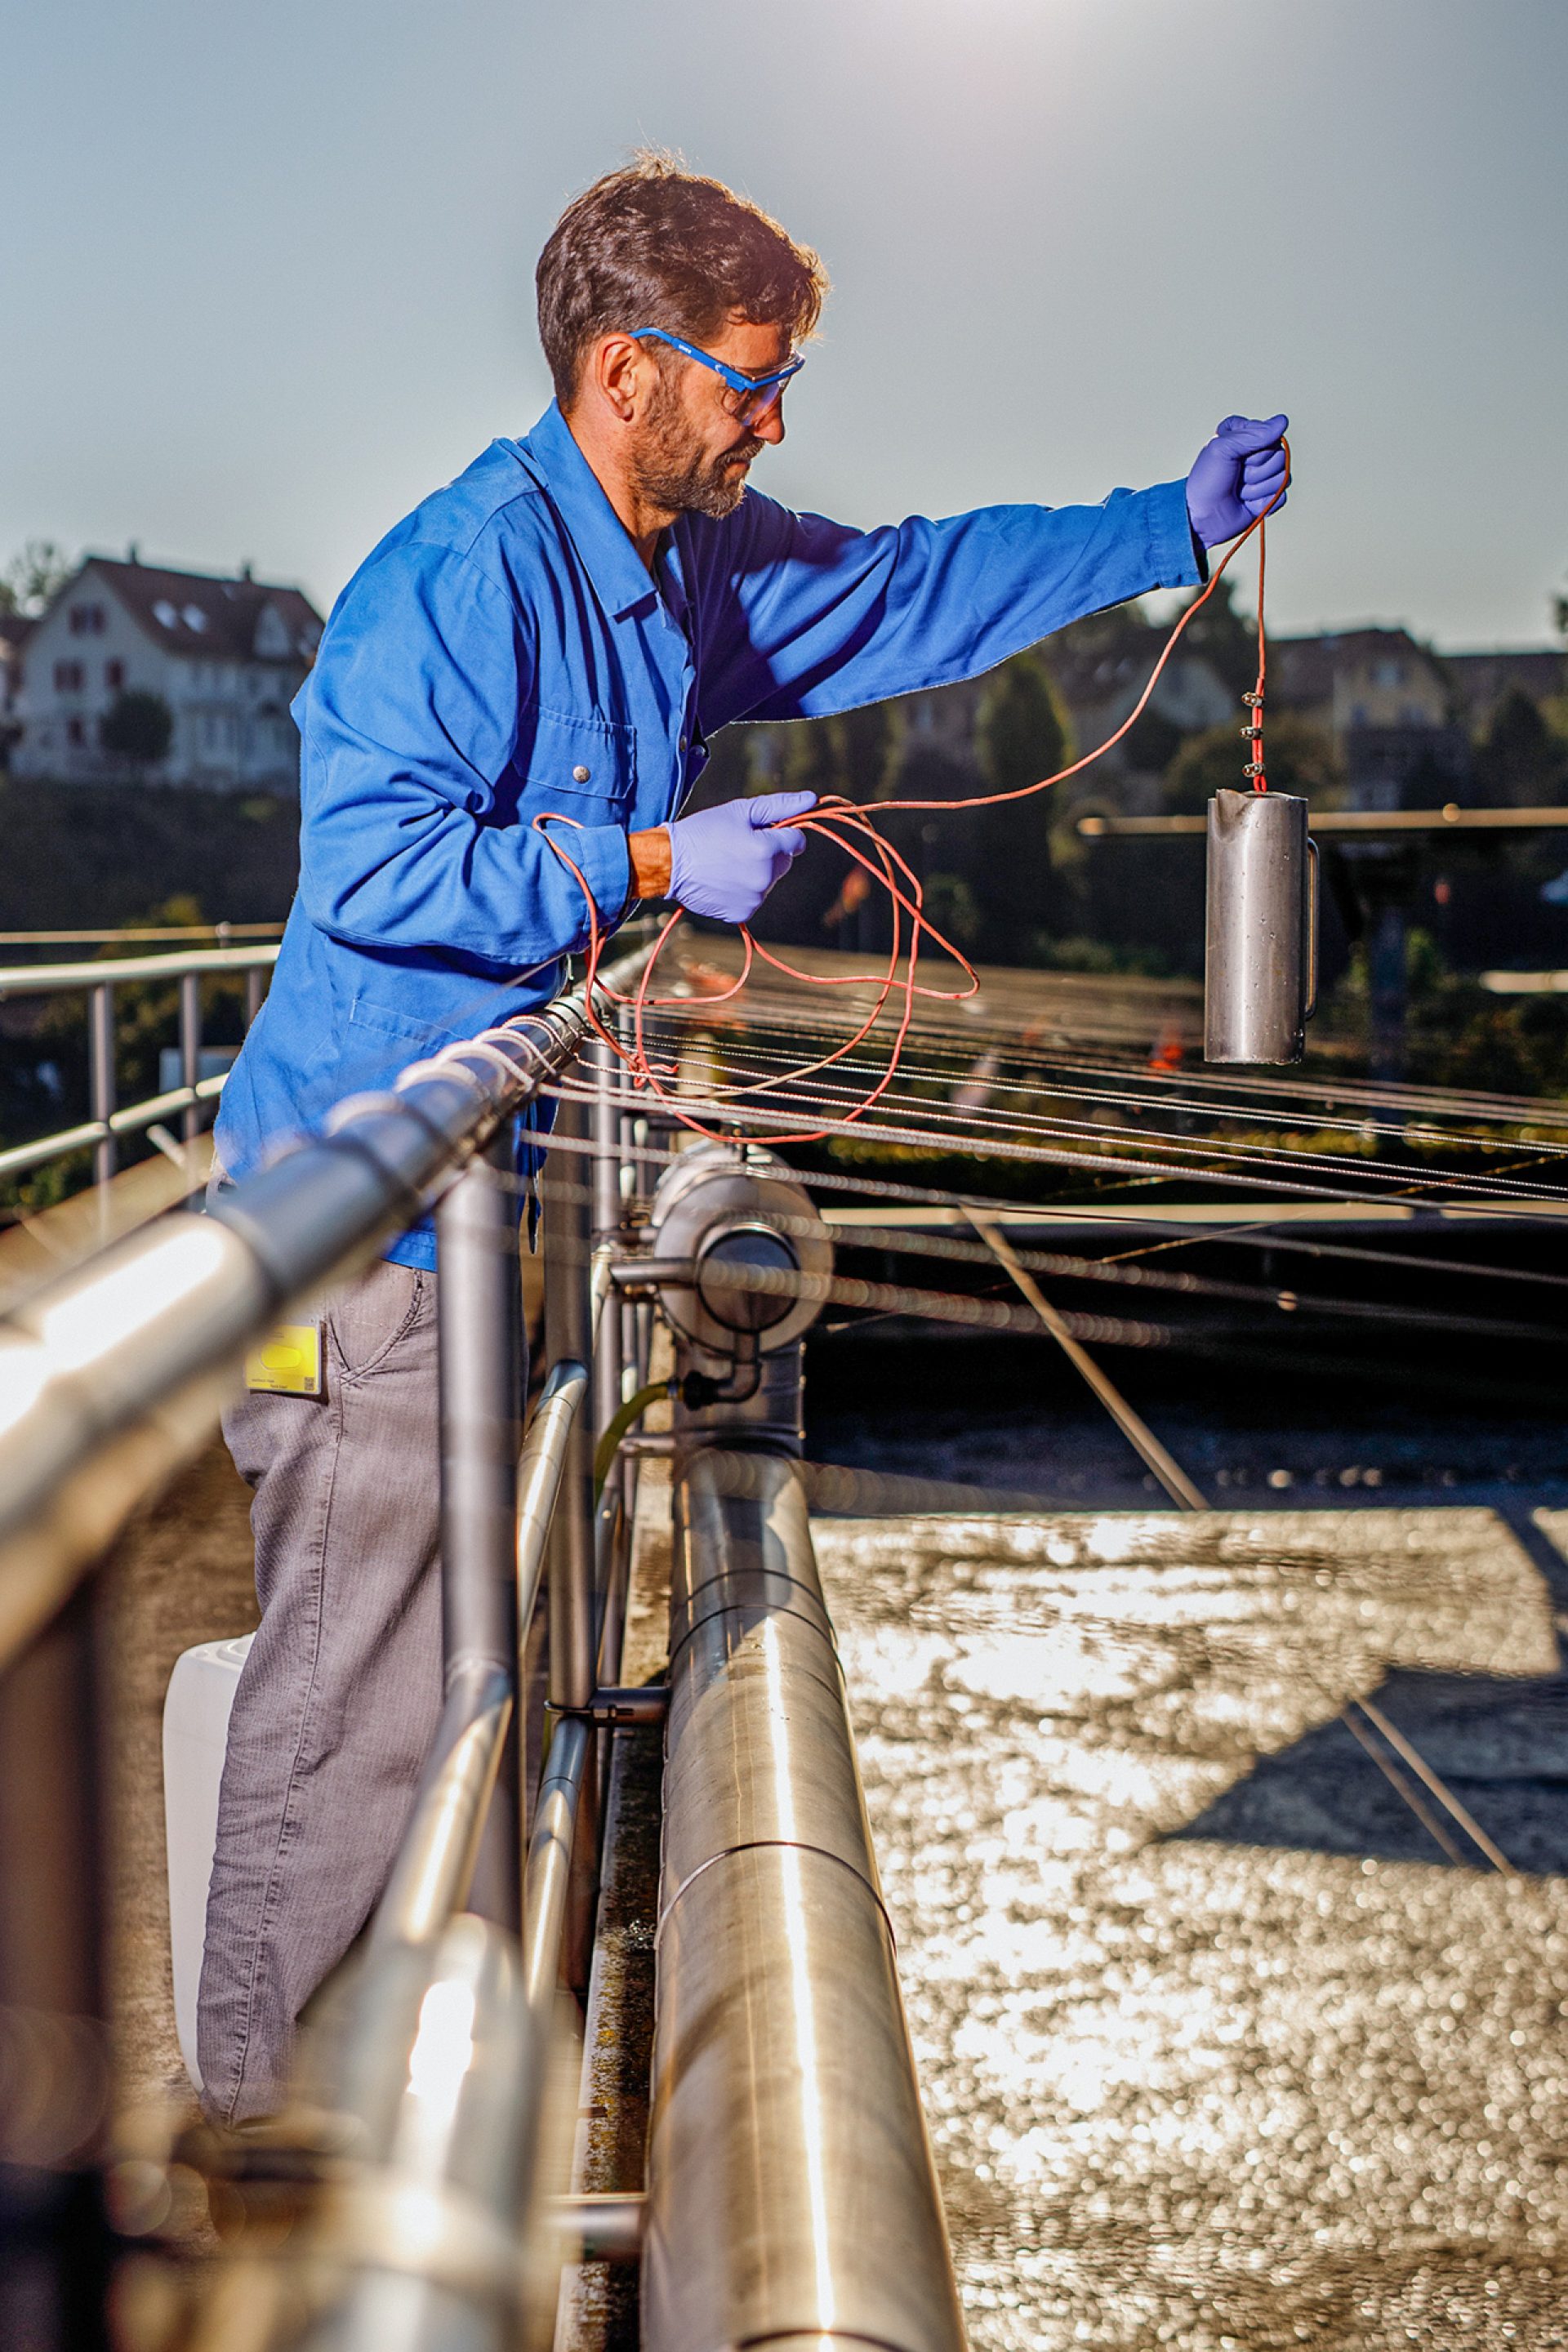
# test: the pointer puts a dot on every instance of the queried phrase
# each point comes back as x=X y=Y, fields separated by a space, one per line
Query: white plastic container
x=195 y=1734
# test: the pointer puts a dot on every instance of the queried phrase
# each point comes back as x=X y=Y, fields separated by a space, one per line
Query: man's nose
x=769 y=425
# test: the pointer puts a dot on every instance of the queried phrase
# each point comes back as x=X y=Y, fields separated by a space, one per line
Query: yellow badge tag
x=288 y=1362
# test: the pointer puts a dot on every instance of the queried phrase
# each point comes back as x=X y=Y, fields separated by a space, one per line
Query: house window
x=69 y=677
x=74 y=731
x=114 y=676
x=86 y=621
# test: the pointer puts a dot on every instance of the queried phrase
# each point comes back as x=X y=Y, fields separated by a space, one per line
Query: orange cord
x=851 y=827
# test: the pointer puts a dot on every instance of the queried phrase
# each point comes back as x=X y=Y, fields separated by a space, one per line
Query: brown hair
x=656 y=246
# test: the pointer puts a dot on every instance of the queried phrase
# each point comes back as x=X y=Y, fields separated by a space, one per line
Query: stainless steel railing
x=110 y=1378
x=107 y=1380
x=98 y=982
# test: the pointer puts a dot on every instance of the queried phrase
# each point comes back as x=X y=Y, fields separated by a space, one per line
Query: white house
x=226 y=655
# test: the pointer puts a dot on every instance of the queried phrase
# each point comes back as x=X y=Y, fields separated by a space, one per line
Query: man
x=562 y=629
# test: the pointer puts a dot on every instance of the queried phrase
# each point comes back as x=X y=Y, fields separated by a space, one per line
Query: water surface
x=1219 y=2047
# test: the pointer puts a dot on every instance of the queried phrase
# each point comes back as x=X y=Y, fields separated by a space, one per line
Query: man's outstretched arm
x=805 y=618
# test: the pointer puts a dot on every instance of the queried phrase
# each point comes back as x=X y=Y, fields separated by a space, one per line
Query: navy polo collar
x=621 y=580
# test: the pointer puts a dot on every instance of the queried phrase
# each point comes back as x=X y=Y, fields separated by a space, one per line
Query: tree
x=34 y=578
x=1520 y=762
x=1227 y=639
x=138 y=727
x=1021 y=735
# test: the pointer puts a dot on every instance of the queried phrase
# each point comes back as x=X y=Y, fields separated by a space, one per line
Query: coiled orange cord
x=850 y=827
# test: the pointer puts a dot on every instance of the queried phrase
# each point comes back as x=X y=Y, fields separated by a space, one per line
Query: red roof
x=201 y=612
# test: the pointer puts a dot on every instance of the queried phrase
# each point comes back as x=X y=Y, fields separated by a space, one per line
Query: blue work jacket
x=505 y=651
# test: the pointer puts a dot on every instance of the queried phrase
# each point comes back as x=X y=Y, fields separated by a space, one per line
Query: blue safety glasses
x=747 y=398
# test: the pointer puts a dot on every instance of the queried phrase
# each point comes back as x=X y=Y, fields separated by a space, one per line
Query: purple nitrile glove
x=1235 y=477
x=723 y=861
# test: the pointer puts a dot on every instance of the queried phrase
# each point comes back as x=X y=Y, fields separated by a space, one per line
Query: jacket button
x=580 y=775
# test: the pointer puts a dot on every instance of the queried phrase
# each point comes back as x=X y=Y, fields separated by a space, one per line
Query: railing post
x=481 y=1370
x=101 y=1076
x=568 y=1332
x=252 y=994
x=573 y=1621
x=191 y=1048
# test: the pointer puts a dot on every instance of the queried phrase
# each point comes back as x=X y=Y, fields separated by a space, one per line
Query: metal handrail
x=99 y=979
x=131 y=1120
x=222 y=932
x=113 y=1376
x=1449 y=818
x=52 y=978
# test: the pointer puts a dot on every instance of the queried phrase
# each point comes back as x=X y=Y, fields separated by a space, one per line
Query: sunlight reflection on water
x=1218 y=2050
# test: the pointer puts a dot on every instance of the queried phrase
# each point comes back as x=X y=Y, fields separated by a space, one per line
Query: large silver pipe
x=114 y=1376
x=1260 y=960
x=792 y=2196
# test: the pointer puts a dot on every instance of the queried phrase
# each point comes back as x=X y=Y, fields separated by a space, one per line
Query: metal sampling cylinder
x=1260 y=962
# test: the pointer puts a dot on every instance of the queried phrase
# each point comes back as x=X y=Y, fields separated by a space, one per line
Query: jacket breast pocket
x=580 y=767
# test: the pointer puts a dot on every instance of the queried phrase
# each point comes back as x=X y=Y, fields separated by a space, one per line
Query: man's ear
x=619 y=371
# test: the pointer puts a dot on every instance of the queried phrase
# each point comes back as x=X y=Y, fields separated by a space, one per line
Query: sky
x=266 y=272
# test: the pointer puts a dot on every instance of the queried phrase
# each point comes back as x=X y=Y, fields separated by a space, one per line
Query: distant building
x=226 y=656
x=1482 y=681
x=1097 y=690
x=1356 y=679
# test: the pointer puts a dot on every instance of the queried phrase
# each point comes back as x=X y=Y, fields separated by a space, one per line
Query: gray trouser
x=336 y=1706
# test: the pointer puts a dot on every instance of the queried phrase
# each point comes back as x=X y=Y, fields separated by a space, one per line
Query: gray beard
x=669 y=470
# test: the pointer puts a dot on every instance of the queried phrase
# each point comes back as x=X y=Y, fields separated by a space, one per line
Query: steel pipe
x=191 y=1049
x=435 y=1865
x=792 y=2193
x=418 y=2241
x=539 y=1477
x=605 y=1121
x=100 y=1077
x=128 y=1120
x=549 y=1876
x=568 y=1332
x=481 y=1375
x=60 y=979
x=605 y=2225
x=435 y=1860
